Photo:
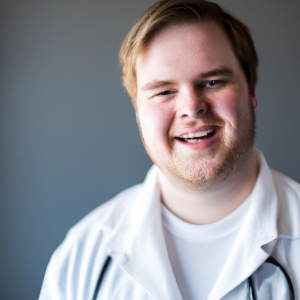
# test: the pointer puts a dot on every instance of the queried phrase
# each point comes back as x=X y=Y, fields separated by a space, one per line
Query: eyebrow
x=221 y=71
x=156 y=84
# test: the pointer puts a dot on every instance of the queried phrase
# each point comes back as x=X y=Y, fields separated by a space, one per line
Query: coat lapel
x=137 y=244
x=258 y=229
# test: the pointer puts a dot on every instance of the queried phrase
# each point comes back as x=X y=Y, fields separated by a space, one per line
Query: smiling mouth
x=199 y=136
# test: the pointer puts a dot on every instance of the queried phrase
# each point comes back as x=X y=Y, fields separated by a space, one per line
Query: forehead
x=185 y=47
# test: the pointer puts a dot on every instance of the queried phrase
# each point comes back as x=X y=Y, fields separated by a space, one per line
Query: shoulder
x=103 y=219
x=82 y=249
x=286 y=188
x=288 y=194
x=91 y=232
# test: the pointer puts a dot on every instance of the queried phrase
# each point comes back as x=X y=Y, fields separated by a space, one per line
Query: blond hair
x=171 y=12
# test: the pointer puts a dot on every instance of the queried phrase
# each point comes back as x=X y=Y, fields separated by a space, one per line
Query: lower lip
x=202 y=144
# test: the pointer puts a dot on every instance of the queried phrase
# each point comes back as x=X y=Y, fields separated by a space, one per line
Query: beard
x=228 y=159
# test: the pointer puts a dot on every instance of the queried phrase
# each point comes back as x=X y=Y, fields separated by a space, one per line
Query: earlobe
x=254 y=100
x=134 y=103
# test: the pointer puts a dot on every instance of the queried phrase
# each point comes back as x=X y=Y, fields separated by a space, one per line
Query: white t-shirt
x=198 y=252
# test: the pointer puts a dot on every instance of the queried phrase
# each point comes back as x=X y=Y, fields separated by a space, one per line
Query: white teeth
x=196 y=134
x=202 y=133
x=193 y=141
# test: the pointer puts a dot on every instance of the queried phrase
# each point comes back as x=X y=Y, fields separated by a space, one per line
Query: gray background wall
x=67 y=129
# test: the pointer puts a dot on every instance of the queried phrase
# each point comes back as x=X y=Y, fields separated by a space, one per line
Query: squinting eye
x=164 y=93
x=212 y=83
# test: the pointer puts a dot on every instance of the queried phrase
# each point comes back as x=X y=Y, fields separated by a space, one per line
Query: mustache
x=204 y=121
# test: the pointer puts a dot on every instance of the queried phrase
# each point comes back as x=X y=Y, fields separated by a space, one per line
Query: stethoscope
x=270 y=260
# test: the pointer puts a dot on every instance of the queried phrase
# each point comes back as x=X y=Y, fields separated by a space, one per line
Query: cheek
x=155 y=120
x=230 y=106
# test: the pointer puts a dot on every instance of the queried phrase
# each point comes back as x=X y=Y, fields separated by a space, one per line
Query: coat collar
x=137 y=242
x=258 y=230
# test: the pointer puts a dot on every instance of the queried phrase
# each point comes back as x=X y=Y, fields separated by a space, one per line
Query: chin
x=206 y=172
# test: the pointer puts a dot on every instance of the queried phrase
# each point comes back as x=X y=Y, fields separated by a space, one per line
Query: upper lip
x=197 y=129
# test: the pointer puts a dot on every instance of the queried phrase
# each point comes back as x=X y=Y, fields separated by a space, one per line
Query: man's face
x=194 y=108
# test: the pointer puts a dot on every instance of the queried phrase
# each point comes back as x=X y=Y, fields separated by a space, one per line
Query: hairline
x=154 y=21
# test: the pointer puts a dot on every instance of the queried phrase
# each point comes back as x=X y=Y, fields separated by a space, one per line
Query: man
x=210 y=211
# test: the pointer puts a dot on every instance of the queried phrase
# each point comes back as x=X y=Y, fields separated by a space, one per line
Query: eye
x=165 y=93
x=213 y=83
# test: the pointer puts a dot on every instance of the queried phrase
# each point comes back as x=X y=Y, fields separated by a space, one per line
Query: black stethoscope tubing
x=108 y=259
x=270 y=260
x=274 y=262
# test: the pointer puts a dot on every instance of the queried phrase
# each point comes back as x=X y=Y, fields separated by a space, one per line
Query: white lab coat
x=129 y=229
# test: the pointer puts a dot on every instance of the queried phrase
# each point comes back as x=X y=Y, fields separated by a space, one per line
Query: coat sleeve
x=55 y=283
x=74 y=267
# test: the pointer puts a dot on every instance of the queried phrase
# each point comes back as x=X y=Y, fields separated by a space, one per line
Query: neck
x=209 y=206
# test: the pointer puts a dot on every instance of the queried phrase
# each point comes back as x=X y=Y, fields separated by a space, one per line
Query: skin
x=188 y=79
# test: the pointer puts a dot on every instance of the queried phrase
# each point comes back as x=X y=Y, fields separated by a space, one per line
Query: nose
x=193 y=104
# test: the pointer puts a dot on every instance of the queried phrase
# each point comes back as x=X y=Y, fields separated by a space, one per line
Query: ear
x=134 y=103
x=254 y=99
x=135 y=107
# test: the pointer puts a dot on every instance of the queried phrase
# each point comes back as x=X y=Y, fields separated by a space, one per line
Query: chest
x=269 y=284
